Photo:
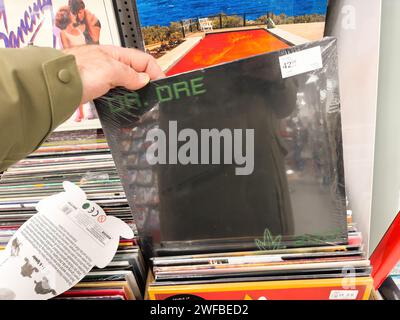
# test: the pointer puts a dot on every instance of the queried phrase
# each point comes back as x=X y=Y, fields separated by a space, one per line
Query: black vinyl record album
x=238 y=156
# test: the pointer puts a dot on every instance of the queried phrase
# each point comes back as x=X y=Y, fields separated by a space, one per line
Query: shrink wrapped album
x=245 y=155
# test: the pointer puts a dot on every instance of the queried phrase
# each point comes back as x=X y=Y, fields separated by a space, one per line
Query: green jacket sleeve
x=39 y=89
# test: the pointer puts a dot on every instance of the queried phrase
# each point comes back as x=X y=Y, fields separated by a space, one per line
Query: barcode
x=66 y=209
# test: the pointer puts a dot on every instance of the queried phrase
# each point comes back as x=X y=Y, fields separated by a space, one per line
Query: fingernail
x=144 y=77
x=161 y=77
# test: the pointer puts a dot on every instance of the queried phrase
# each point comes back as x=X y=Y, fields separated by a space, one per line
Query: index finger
x=136 y=59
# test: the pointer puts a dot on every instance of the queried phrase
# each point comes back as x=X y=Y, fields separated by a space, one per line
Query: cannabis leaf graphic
x=269 y=242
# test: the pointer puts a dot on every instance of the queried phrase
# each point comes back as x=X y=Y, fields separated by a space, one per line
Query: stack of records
x=82 y=157
x=123 y=279
x=329 y=272
x=322 y=272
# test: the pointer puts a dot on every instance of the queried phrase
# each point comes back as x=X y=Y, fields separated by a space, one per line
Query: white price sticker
x=301 y=62
x=343 y=295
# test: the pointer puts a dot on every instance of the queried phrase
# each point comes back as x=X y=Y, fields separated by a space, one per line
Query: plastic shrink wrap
x=242 y=155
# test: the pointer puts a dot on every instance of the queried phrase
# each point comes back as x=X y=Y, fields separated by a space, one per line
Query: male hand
x=103 y=68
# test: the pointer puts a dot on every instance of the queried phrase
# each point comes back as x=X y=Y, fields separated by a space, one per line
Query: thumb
x=126 y=77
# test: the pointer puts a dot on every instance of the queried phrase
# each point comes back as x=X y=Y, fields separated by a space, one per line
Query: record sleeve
x=252 y=258
x=245 y=155
x=344 y=263
x=322 y=274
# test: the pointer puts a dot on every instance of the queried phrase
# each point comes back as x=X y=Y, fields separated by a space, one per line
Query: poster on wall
x=193 y=34
x=60 y=24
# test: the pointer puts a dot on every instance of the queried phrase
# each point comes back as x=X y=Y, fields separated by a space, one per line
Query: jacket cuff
x=64 y=87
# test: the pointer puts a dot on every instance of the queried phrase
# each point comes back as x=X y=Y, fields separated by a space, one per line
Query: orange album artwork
x=223 y=47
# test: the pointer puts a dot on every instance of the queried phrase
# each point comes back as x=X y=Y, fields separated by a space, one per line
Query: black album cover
x=243 y=155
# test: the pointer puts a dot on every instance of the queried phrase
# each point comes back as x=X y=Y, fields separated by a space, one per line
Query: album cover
x=60 y=24
x=239 y=156
x=193 y=34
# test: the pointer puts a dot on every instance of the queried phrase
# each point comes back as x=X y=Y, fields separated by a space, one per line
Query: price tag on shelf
x=301 y=62
x=343 y=295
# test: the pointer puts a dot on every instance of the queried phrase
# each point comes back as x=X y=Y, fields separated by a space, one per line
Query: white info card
x=58 y=246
